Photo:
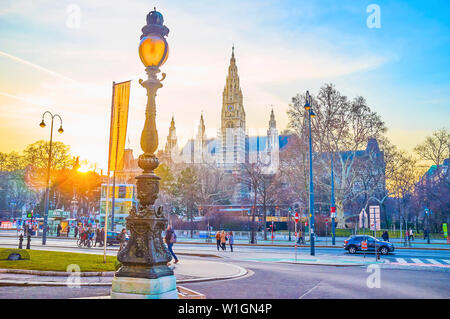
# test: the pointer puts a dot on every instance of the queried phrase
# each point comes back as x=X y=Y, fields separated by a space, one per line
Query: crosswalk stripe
x=401 y=261
x=446 y=261
x=434 y=261
x=417 y=260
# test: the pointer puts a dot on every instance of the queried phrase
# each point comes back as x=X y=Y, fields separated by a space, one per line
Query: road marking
x=417 y=260
x=309 y=291
x=446 y=261
x=401 y=261
x=434 y=261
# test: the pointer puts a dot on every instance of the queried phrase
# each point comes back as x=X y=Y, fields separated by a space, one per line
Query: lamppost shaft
x=333 y=207
x=47 y=190
x=311 y=189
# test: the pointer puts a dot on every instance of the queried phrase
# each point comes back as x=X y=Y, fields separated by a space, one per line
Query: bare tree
x=435 y=148
x=341 y=127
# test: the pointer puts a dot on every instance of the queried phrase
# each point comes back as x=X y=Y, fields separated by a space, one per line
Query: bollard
x=28 y=241
x=20 y=241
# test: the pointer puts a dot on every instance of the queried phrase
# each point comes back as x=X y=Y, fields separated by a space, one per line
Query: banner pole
x=106 y=221
x=109 y=166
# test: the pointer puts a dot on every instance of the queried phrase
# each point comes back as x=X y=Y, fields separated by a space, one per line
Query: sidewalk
x=186 y=271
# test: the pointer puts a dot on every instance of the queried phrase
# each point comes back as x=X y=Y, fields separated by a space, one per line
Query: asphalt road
x=270 y=280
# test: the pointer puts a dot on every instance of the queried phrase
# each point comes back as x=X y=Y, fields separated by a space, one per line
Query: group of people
x=222 y=238
x=88 y=234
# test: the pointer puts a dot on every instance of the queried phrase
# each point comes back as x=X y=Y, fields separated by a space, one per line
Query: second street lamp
x=311 y=114
x=47 y=190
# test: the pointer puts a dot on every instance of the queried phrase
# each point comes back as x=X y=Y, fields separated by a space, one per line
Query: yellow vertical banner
x=118 y=128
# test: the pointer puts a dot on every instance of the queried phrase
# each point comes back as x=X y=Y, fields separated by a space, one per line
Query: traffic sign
x=364 y=245
x=296 y=217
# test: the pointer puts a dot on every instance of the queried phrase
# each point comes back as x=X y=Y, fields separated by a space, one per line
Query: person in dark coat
x=171 y=238
x=58 y=230
x=122 y=237
x=75 y=231
x=385 y=236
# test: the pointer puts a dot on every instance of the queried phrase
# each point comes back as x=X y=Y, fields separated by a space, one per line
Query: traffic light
x=30 y=215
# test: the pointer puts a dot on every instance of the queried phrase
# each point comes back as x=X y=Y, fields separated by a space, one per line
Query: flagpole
x=106 y=220
x=109 y=165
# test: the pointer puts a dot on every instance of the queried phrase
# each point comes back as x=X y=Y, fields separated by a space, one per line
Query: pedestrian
x=385 y=236
x=411 y=234
x=300 y=237
x=223 y=240
x=171 y=238
x=75 y=231
x=231 y=240
x=122 y=238
x=102 y=236
x=98 y=237
x=58 y=230
x=218 y=240
x=406 y=236
x=68 y=230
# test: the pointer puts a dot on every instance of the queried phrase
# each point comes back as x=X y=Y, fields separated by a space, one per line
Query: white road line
x=446 y=261
x=434 y=261
x=401 y=261
x=417 y=260
x=309 y=291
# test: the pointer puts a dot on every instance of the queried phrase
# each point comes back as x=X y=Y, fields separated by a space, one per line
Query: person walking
x=231 y=240
x=121 y=237
x=102 y=236
x=223 y=240
x=68 y=231
x=97 y=237
x=411 y=234
x=385 y=236
x=75 y=231
x=58 y=230
x=218 y=240
x=170 y=239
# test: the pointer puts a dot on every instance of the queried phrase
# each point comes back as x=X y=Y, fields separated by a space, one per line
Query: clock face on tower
x=230 y=108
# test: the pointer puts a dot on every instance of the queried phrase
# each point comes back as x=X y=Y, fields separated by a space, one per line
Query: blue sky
x=282 y=48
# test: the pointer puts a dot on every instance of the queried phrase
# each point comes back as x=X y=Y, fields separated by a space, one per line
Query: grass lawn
x=58 y=261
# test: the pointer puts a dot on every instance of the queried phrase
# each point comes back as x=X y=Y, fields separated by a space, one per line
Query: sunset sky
x=48 y=62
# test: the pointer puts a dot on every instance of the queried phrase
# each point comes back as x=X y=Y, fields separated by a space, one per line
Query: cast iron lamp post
x=144 y=272
x=311 y=114
x=47 y=191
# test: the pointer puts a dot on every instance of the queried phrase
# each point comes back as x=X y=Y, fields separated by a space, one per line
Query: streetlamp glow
x=153 y=50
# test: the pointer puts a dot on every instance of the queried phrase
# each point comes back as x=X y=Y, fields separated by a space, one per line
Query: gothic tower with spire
x=273 y=145
x=200 y=151
x=172 y=144
x=232 y=137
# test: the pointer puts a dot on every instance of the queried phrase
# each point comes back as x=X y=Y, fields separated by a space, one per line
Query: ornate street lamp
x=144 y=272
x=47 y=190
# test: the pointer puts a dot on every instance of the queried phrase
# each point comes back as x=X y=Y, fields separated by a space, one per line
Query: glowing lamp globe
x=153 y=50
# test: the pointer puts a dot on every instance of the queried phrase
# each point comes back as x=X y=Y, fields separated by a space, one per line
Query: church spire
x=272 y=122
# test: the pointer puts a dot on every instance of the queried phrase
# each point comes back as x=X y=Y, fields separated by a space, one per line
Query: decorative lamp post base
x=144 y=288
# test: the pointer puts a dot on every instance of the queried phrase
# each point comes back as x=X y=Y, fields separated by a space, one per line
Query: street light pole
x=333 y=207
x=308 y=103
x=47 y=189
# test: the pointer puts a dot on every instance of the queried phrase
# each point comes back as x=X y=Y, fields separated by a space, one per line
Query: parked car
x=111 y=238
x=353 y=244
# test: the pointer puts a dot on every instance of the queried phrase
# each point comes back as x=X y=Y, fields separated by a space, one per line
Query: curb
x=56 y=273
x=242 y=272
